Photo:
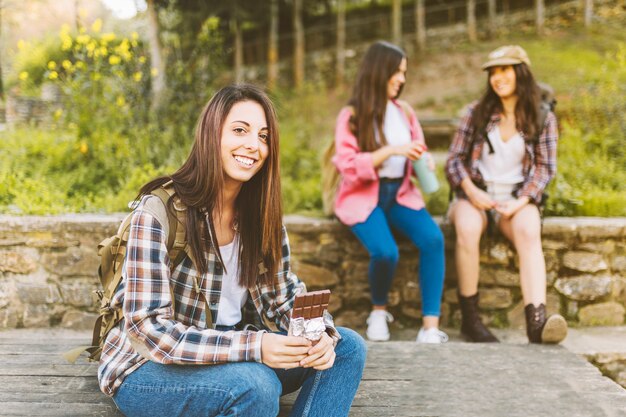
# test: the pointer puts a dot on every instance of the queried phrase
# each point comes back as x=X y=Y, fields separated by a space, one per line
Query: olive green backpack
x=112 y=252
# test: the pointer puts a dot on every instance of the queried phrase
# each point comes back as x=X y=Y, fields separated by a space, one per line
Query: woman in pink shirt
x=376 y=138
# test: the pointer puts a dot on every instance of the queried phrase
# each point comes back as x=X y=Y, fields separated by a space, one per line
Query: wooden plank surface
x=401 y=379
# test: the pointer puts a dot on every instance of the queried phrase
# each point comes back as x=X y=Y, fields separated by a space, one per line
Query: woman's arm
x=459 y=152
x=545 y=161
x=149 y=318
x=357 y=166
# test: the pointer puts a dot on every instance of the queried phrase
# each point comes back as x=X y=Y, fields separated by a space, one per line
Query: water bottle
x=426 y=176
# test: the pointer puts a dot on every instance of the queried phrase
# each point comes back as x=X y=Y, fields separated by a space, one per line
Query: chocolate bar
x=310 y=305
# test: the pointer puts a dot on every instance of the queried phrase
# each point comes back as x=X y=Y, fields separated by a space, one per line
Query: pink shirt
x=357 y=195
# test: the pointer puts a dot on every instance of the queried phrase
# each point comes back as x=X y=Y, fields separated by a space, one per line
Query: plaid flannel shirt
x=538 y=165
x=150 y=329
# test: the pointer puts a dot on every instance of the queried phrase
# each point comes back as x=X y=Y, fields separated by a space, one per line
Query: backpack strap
x=177 y=245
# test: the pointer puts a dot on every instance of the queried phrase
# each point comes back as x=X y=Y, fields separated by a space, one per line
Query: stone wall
x=48 y=271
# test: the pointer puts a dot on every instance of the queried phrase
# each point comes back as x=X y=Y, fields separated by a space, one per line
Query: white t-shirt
x=504 y=166
x=233 y=296
x=397 y=132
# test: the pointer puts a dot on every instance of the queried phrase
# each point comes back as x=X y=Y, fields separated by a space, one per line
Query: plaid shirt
x=538 y=165
x=150 y=329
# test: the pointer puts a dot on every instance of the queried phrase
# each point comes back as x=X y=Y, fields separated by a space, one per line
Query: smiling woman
x=215 y=308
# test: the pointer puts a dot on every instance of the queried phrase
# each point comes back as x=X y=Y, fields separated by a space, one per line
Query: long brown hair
x=526 y=110
x=369 y=95
x=199 y=184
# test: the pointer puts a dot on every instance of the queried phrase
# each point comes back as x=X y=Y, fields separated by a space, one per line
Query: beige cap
x=507 y=55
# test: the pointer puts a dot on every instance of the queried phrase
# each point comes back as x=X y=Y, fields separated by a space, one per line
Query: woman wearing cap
x=500 y=161
x=376 y=137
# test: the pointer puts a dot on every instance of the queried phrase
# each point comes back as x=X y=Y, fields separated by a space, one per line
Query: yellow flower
x=58 y=113
x=72 y=125
x=137 y=76
x=52 y=65
x=96 y=76
x=97 y=25
x=67 y=64
x=154 y=72
x=134 y=43
x=120 y=101
x=82 y=39
x=21 y=44
x=82 y=30
x=134 y=36
x=53 y=75
x=103 y=51
x=23 y=76
x=91 y=46
x=80 y=65
x=108 y=37
x=114 y=60
x=66 y=43
x=65 y=29
x=83 y=148
x=142 y=59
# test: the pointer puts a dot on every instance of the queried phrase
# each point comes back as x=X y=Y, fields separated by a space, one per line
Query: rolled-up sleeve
x=355 y=166
x=149 y=322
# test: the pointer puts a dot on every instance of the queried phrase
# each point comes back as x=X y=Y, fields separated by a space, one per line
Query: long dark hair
x=526 y=109
x=199 y=184
x=369 y=95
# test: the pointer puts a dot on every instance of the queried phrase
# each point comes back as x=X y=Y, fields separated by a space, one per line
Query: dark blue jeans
x=244 y=388
x=421 y=229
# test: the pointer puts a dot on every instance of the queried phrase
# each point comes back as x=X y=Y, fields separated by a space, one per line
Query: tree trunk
x=506 y=7
x=272 y=51
x=588 y=12
x=156 y=56
x=471 y=20
x=341 y=42
x=77 y=15
x=236 y=30
x=420 y=24
x=396 y=22
x=298 y=53
x=491 y=6
x=540 y=15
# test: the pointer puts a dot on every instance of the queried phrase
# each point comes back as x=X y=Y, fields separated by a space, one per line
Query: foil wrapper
x=311 y=329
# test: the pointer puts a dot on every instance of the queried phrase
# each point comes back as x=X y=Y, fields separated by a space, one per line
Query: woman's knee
x=467 y=232
x=432 y=241
x=351 y=347
x=526 y=231
x=387 y=254
x=259 y=387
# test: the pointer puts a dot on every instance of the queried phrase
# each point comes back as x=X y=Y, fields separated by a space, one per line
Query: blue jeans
x=244 y=388
x=375 y=234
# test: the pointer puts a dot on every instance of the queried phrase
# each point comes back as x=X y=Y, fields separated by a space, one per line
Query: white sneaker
x=377 y=329
x=432 y=335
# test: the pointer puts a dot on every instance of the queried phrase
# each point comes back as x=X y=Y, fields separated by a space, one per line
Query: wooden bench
x=400 y=379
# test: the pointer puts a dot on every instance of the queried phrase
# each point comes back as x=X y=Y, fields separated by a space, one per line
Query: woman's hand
x=479 y=198
x=284 y=352
x=322 y=355
x=411 y=150
x=508 y=208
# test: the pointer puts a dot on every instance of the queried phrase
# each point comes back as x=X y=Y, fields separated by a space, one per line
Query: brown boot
x=471 y=325
x=540 y=329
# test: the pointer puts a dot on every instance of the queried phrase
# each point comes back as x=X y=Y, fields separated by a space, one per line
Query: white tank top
x=504 y=165
x=233 y=296
x=397 y=132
